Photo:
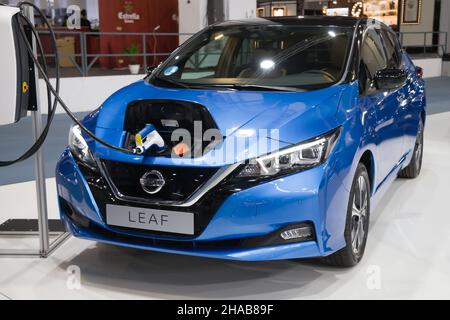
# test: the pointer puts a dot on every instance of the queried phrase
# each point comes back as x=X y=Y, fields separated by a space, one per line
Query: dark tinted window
x=269 y=55
x=372 y=52
x=393 y=58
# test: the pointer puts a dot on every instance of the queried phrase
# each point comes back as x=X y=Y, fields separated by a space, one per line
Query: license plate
x=150 y=219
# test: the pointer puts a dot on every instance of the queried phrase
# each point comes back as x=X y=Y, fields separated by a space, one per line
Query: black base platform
x=29 y=225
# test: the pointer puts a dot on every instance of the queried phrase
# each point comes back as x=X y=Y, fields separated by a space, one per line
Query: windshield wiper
x=171 y=82
x=239 y=87
x=257 y=87
x=180 y=84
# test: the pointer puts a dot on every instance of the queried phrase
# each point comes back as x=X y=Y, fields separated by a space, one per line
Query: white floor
x=408 y=254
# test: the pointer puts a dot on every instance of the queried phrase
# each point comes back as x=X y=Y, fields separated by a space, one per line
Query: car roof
x=349 y=22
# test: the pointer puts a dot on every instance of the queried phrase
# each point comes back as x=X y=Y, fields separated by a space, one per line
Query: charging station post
x=18 y=33
x=46 y=247
x=41 y=187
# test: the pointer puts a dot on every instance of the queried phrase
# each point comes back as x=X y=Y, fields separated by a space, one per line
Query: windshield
x=278 y=56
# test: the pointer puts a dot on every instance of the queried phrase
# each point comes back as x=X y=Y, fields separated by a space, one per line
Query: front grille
x=180 y=182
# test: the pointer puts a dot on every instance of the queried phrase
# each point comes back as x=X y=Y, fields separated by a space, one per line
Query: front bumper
x=316 y=197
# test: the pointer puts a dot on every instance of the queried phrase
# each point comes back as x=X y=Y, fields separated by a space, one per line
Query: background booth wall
x=152 y=13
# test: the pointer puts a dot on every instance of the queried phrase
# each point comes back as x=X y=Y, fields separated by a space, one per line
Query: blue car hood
x=295 y=116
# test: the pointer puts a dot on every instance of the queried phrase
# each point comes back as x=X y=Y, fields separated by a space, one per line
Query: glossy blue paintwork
x=382 y=125
x=232 y=111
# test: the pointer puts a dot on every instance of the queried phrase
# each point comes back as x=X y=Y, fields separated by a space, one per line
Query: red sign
x=137 y=16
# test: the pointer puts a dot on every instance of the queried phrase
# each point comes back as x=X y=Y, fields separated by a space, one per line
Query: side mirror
x=388 y=79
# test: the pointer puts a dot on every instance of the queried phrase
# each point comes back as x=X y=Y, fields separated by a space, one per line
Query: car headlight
x=79 y=147
x=306 y=155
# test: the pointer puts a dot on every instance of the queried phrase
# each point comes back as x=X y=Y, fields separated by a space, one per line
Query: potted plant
x=134 y=65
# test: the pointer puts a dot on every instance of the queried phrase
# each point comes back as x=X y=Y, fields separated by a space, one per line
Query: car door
x=409 y=107
x=395 y=61
x=384 y=103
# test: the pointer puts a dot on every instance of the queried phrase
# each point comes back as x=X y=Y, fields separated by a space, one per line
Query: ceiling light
x=267 y=64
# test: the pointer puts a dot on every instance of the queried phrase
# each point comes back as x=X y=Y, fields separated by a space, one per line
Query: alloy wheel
x=419 y=149
x=359 y=215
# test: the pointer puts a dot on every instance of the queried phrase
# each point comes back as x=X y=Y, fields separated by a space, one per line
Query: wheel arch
x=368 y=160
x=423 y=115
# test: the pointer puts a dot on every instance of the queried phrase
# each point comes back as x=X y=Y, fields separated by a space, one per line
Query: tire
x=357 y=223
x=413 y=170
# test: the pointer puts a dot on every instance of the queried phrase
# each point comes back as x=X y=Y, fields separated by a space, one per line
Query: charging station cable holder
x=46 y=247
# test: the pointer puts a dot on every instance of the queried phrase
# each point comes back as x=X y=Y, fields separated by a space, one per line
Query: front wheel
x=357 y=222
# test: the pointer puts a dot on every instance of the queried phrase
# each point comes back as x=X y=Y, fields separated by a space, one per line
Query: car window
x=397 y=46
x=372 y=52
x=203 y=62
x=393 y=58
x=304 y=57
x=246 y=53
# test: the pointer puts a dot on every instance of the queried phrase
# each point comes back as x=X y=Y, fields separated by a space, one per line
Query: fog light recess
x=302 y=233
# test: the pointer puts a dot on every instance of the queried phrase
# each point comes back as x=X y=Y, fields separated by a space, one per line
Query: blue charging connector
x=149 y=138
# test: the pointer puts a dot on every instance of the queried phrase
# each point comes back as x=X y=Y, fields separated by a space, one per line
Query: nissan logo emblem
x=152 y=182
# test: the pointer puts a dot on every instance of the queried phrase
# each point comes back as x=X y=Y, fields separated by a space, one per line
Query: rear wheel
x=357 y=222
x=413 y=169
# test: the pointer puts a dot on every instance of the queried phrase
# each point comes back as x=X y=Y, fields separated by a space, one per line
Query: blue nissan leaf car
x=259 y=139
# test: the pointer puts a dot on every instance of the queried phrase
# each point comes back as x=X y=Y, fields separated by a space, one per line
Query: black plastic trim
x=269 y=240
x=25 y=101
